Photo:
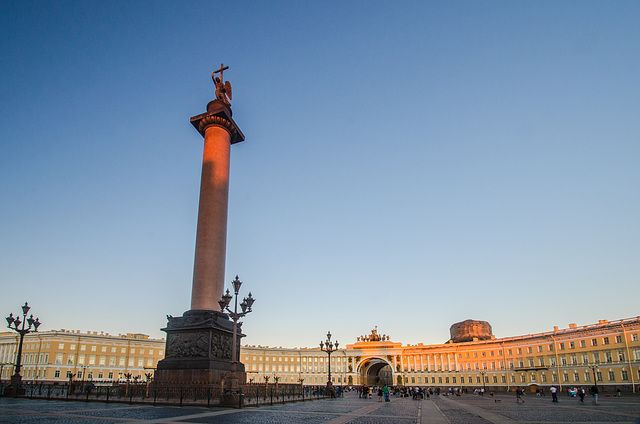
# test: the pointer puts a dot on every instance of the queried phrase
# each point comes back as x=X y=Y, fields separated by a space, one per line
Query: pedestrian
x=385 y=390
x=594 y=392
x=581 y=394
x=519 y=395
x=554 y=394
x=619 y=392
x=380 y=393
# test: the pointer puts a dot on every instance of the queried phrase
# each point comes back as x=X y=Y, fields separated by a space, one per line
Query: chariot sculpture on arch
x=223 y=88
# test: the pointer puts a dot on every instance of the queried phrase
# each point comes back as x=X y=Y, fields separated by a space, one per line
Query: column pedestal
x=198 y=349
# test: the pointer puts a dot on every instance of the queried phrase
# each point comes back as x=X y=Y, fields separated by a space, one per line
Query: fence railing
x=173 y=394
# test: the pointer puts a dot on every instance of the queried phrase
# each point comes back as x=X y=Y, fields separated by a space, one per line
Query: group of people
x=579 y=391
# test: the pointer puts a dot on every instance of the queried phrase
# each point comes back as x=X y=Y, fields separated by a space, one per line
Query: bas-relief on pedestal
x=198 y=349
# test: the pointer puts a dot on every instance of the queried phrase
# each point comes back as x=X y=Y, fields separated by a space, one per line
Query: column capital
x=218 y=113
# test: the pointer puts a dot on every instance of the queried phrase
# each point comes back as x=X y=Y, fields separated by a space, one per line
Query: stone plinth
x=198 y=349
x=467 y=331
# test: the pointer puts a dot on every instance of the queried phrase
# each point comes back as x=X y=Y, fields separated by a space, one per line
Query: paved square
x=466 y=409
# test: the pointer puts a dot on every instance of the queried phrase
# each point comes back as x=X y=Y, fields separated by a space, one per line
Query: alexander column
x=199 y=344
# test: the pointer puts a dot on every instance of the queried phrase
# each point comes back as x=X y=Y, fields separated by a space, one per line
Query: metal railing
x=173 y=394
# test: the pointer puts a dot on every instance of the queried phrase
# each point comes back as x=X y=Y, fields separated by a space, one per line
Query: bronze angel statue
x=223 y=88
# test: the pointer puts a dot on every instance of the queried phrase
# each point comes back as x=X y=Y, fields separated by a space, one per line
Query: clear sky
x=407 y=164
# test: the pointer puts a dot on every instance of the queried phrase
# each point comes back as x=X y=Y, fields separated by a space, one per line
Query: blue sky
x=406 y=164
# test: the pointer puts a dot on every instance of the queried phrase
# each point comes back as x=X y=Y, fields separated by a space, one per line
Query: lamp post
x=483 y=374
x=328 y=346
x=14 y=324
x=595 y=378
x=246 y=304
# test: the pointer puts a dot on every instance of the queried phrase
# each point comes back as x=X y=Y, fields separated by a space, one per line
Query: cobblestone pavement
x=466 y=409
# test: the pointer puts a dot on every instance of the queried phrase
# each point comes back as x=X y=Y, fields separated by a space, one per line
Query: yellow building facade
x=607 y=353
x=55 y=356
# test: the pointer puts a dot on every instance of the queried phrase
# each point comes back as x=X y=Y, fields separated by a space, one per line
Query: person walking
x=519 y=395
x=594 y=393
x=554 y=394
x=385 y=391
x=581 y=394
x=380 y=393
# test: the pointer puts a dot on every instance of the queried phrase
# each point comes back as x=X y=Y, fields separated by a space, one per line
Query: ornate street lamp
x=328 y=346
x=595 y=378
x=484 y=379
x=246 y=305
x=14 y=324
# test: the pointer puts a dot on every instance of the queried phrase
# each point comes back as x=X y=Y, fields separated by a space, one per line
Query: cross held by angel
x=223 y=88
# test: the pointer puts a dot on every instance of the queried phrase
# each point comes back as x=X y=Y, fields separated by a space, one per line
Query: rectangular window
x=504 y=378
x=103 y=360
x=594 y=342
x=533 y=378
x=131 y=362
x=56 y=374
x=565 y=378
x=79 y=375
x=555 y=378
x=69 y=359
x=625 y=375
x=618 y=339
x=539 y=348
x=544 y=378
x=561 y=346
x=583 y=343
x=621 y=356
x=81 y=360
x=112 y=361
x=519 y=351
x=121 y=362
x=530 y=349
x=68 y=374
x=599 y=376
x=110 y=376
x=495 y=379
x=606 y=340
x=572 y=345
x=72 y=347
x=113 y=350
x=140 y=362
x=92 y=359
x=61 y=346
x=635 y=337
x=461 y=380
x=612 y=376
x=58 y=358
x=104 y=349
x=587 y=377
x=576 y=377
x=93 y=348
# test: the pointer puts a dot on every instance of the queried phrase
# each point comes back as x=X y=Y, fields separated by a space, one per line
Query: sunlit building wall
x=607 y=352
x=55 y=356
